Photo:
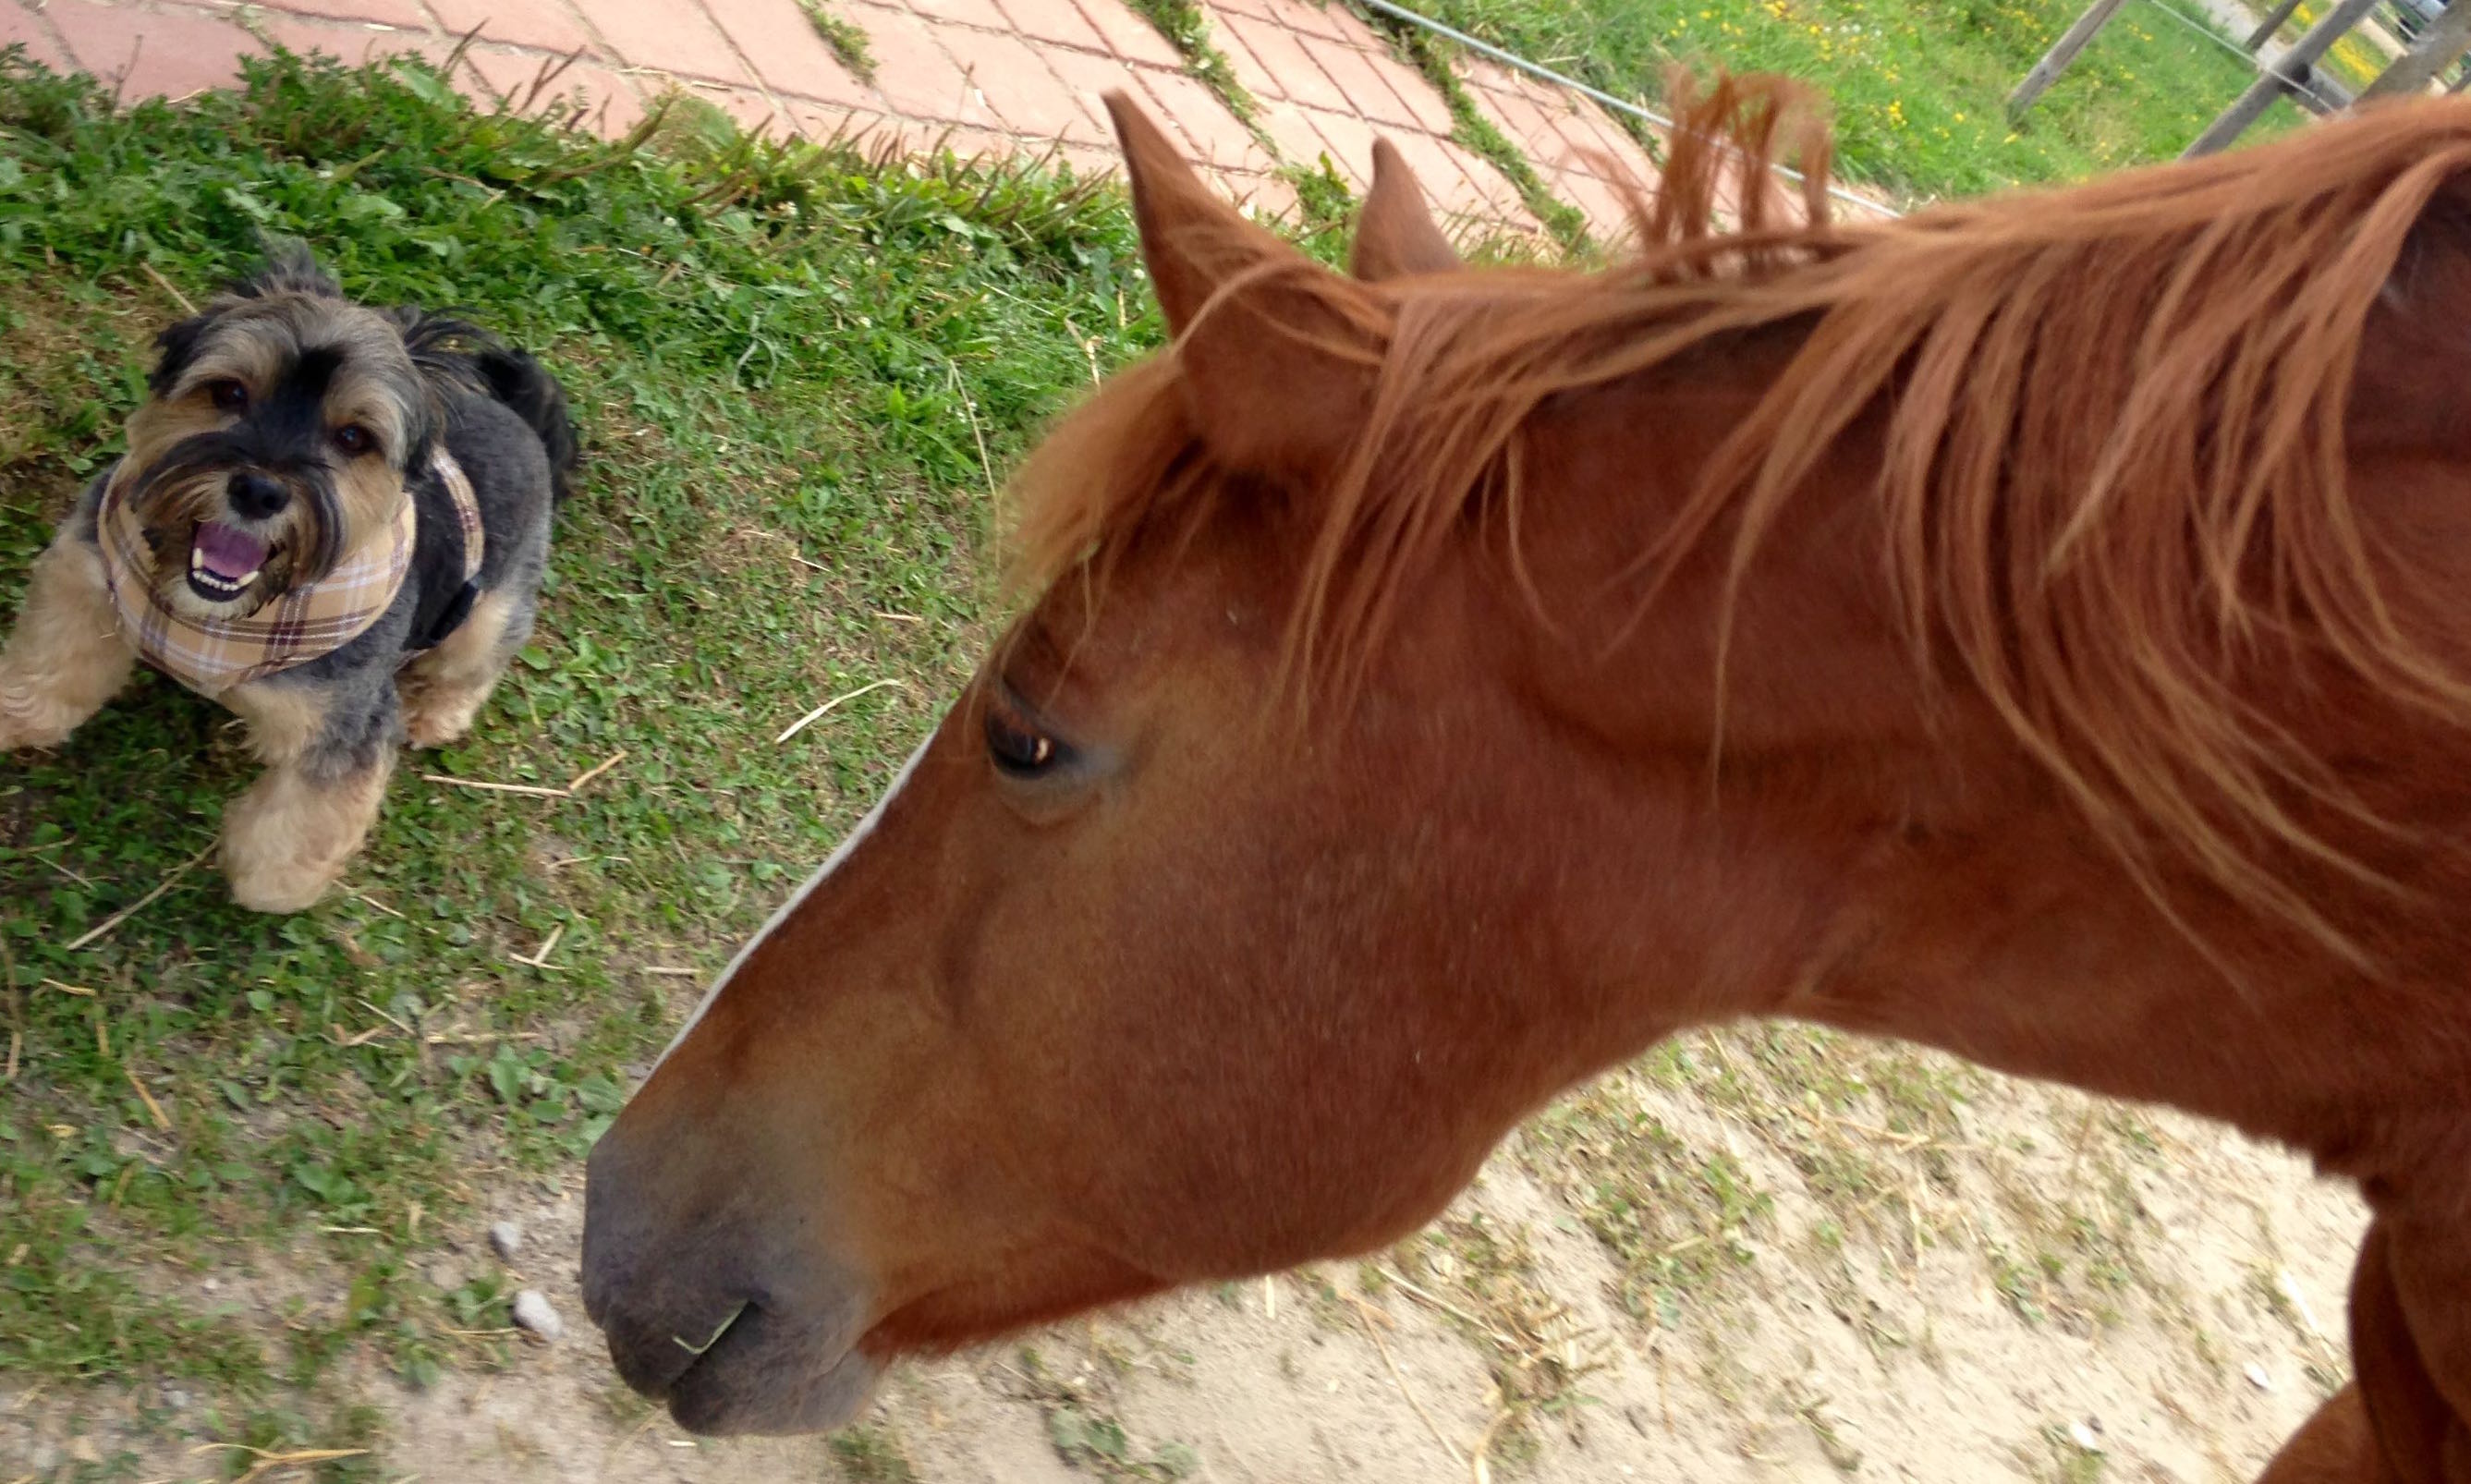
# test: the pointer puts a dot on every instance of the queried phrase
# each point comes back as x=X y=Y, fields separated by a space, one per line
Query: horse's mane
x=2114 y=448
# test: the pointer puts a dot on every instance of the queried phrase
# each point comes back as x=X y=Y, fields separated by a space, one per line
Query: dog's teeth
x=251 y=578
x=197 y=560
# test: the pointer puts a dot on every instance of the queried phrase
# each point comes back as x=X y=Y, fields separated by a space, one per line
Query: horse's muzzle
x=717 y=1311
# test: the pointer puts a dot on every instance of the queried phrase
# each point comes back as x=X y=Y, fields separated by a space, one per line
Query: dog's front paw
x=277 y=887
x=31 y=721
x=433 y=725
x=288 y=839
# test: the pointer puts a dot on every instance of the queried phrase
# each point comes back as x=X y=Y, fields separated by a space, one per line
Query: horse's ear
x=1394 y=235
x=1278 y=354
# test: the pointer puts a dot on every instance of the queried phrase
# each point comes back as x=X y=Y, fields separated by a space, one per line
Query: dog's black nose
x=256 y=496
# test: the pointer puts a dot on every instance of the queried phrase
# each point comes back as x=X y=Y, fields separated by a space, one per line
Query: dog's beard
x=213 y=562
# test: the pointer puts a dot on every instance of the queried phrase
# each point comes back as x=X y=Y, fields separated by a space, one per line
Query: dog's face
x=277 y=433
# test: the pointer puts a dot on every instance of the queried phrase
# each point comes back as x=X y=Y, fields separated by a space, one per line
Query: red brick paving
x=1307 y=19
x=912 y=73
x=352 y=44
x=1215 y=137
x=162 y=51
x=24 y=28
x=1090 y=76
x=1024 y=91
x=969 y=76
x=400 y=14
x=1367 y=93
x=550 y=25
x=1127 y=35
x=1059 y=21
x=787 y=54
x=669 y=36
x=1292 y=72
x=1351 y=144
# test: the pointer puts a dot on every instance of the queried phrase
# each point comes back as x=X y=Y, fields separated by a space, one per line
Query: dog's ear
x=290 y=268
x=179 y=346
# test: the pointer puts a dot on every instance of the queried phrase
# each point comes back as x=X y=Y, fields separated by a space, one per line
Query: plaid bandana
x=212 y=655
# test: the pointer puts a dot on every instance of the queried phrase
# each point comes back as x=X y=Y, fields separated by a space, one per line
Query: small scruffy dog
x=333 y=520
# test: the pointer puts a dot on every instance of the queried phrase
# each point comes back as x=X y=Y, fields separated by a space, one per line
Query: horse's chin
x=766 y=1377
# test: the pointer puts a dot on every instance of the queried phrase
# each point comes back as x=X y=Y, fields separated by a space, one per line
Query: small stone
x=506 y=1240
x=534 y=1312
x=446 y=1275
x=212 y=1283
x=2083 y=1437
x=2257 y=1377
x=175 y=1398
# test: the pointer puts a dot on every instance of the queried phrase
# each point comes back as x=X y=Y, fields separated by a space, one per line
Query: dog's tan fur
x=443 y=690
x=66 y=657
x=289 y=837
x=282 y=718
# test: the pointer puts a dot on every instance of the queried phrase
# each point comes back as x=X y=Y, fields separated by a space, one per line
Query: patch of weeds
x=1482 y=1280
x=2066 y=1461
x=1187 y=27
x=2019 y=1284
x=846 y=38
x=871 y=1453
x=1841 y=1456
x=1322 y=194
x=1086 y=1434
x=1677 y=1218
x=2085 y=1263
x=338 y=1450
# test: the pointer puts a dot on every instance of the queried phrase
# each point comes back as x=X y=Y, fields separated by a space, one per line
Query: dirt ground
x=1764 y=1256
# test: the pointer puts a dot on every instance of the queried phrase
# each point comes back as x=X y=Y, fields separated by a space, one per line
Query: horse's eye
x=1018 y=747
x=227 y=395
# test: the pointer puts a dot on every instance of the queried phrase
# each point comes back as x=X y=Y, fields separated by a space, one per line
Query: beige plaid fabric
x=212 y=655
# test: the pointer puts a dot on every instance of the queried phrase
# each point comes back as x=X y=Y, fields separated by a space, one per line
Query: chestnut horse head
x=2034 y=629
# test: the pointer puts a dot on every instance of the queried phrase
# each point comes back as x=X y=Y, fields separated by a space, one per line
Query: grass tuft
x=847 y=40
x=1187 y=27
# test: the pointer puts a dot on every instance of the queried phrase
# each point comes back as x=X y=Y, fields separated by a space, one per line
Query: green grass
x=1472 y=130
x=1187 y=27
x=1917 y=86
x=795 y=372
x=847 y=40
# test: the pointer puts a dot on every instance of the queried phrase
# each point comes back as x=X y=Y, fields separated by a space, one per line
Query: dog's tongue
x=229 y=554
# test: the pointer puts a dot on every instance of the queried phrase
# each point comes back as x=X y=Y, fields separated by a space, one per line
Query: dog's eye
x=1018 y=747
x=354 y=439
x=227 y=395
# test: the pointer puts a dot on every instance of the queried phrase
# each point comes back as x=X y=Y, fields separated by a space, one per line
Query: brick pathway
x=982 y=75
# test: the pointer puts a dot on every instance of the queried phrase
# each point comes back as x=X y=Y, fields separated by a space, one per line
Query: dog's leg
x=65 y=658
x=328 y=758
x=445 y=689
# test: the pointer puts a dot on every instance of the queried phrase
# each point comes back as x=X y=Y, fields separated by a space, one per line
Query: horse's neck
x=1864 y=856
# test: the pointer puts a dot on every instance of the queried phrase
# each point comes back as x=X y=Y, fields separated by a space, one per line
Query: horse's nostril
x=256 y=496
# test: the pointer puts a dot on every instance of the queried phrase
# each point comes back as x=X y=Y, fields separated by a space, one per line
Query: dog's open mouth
x=224 y=562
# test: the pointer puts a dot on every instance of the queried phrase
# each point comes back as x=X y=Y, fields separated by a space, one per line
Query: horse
x=2034 y=629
